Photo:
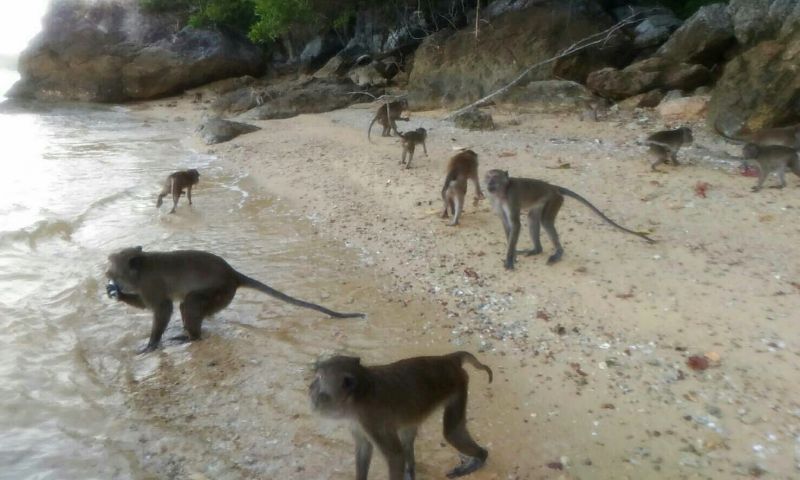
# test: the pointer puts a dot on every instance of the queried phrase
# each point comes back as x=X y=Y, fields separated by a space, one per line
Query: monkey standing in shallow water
x=175 y=184
x=204 y=284
x=387 y=403
x=463 y=166
x=771 y=159
x=410 y=140
x=664 y=145
x=387 y=115
x=512 y=195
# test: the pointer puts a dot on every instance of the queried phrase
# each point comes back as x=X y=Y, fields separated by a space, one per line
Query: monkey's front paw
x=112 y=290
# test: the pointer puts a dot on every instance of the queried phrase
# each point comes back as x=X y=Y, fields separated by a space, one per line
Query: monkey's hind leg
x=410 y=155
x=549 y=222
x=457 y=435
x=196 y=306
x=781 y=177
x=534 y=225
x=762 y=176
x=458 y=206
x=660 y=155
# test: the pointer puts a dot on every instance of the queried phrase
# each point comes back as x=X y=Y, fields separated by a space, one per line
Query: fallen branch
x=590 y=41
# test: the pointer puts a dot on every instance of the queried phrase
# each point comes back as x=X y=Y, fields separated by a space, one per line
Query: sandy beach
x=590 y=354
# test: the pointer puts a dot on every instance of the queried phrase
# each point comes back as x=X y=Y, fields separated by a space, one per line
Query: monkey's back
x=185 y=271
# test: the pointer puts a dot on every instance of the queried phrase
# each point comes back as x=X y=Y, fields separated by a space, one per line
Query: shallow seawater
x=79 y=182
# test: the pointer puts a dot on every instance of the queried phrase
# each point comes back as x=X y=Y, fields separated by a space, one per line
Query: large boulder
x=655 y=30
x=703 y=38
x=759 y=88
x=758 y=20
x=217 y=130
x=549 y=96
x=111 y=51
x=649 y=74
x=474 y=119
x=452 y=68
x=313 y=96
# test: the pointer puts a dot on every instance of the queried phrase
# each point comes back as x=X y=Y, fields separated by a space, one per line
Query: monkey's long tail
x=570 y=193
x=248 y=282
x=470 y=358
x=369 y=130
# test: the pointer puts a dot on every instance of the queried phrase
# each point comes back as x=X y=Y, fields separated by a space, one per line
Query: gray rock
x=655 y=30
x=368 y=75
x=319 y=50
x=549 y=96
x=218 y=130
x=757 y=20
x=315 y=96
x=649 y=74
x=112 y=52
x=474 y=119
x=703 y=38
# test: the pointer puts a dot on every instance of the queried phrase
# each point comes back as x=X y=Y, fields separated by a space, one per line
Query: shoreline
x=600 y=340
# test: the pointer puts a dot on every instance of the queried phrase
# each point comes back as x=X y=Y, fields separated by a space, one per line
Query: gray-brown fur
x=410 y=140
x=387 y=403
x=462 y=167
x=175 y=184
x=387 y=115
x=771 y=159
x=203 y=283
x=779 y=136
x=665 y=144
x=511 y=195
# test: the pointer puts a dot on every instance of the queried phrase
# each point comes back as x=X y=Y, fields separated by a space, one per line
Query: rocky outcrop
x=758 y=20
x=474 y=119
x=451 y=69
x=312 y=96
x=640 y=77
x=548 y=96
x=218 y=130
x=110 y=51
x=703 y=38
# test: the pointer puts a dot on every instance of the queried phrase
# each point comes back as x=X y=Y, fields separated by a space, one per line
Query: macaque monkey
x=664 y=145
x=387 y=115
x=175 y=184
x=782 y=136
x=771 y=159
x=463 y=166
x=203 y=283
x=387 y=403
x=511 y=195
x=410 y=140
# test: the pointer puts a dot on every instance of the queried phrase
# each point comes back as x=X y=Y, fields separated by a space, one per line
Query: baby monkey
x=462 y=167
x=175 y=184
x=510 y=196
x=387 y=403
x=387 y=115
x=410 y=140
x=771 y=159
x=664 y=145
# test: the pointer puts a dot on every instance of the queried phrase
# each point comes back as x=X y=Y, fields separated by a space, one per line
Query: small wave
x=39 y=231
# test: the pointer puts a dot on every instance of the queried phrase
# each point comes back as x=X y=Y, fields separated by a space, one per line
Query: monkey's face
x=750 y=151
x=496 y=181
x=194 y=175
x=335 y=383
x=123 y=268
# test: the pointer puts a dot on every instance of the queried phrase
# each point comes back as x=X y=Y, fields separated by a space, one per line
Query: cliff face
x=110 y=51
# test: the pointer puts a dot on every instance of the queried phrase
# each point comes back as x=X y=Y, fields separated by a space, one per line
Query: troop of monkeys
x=385 y=404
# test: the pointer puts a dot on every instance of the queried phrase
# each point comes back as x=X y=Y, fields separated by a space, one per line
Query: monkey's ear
x=349 y=383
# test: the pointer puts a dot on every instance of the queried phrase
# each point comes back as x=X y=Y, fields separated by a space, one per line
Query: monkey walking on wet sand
x=511 y=195
x=463 y=166
x=664 y=145
x=410 y=140
x=175 y=184
x=771 y=159
x=387 y=403
x=387 y=115
x=203 y=283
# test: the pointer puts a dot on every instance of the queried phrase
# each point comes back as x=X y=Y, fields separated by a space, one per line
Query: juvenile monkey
x=782 y=136
x=511 y=195
x=463 y=166
x=771 y=159
x=175 y=184
x=387 y=115
x=387 y=403
x=410 y=140
x=664 y=145
x=203 y=283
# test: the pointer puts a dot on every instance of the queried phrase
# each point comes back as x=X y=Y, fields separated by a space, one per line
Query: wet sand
x=590 y=355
